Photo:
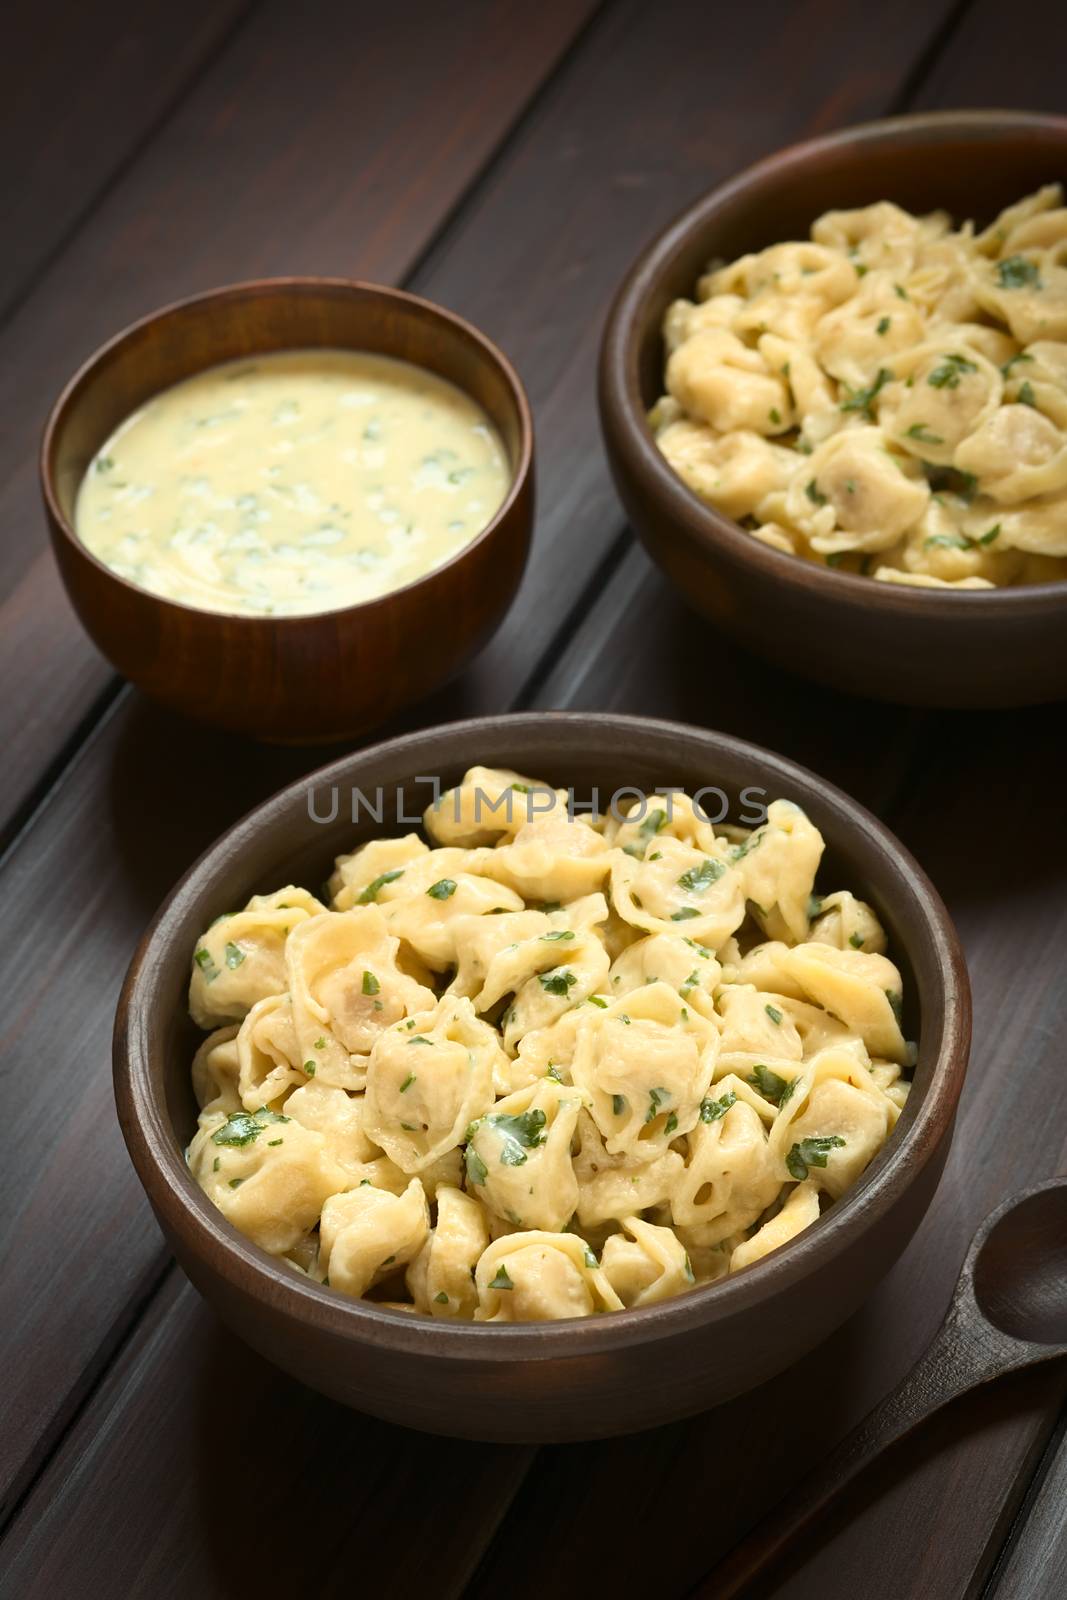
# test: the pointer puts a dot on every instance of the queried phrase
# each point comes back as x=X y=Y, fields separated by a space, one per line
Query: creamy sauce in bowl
x=294 y=482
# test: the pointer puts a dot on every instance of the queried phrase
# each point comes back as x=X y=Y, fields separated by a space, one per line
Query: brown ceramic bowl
x=579 y=1378
x=1001 y=647
x=301 y=679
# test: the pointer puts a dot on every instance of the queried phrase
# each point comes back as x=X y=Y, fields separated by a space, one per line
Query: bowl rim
x=298 y=286
x=623 y=413
x=159 y=1159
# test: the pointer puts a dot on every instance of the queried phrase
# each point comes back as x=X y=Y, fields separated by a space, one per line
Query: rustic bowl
x=579 y=1378
x=1000 y=647
x=297 y=679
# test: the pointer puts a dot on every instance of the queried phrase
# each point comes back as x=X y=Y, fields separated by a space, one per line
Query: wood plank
x=1036 y=1559
x=506 y=263
x=324 y=149
x=69 y=130
x=958 y=789
x=262 y=1487
x=939 y=1508
x=362 y=189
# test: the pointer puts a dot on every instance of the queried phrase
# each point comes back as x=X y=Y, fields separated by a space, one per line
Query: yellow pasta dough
x=541 y=1065
x=888 y=397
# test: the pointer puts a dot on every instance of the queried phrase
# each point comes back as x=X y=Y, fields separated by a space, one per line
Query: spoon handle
x=965 y=1353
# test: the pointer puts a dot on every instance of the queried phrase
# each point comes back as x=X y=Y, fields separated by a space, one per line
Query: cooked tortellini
x=888 y=397
x=543 y=1065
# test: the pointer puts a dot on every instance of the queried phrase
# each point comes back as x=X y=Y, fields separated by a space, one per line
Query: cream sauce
x=294 y=482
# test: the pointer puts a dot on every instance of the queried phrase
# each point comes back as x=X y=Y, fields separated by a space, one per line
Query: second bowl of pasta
x=834 y=395
x=486 y=1070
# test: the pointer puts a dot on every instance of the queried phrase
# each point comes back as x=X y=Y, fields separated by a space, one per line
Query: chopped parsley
x=443 y=889
x=1018 y=273
x=656 y=1098
x=597 y=1000
x=518 y=1134
x=685 y=914
x=243 y=1127
x=408 y=1081
x=370 y=893
x=649 y=827
x=856 y=940
x=477 y=1171
x=862 y=400
x=562 y=933
x=896 y=1004
x=948 y=541
x=1025 y=397
x=947 y=374
x=558 y=982
x=712 y=1110
x=1020 y=355
x=950 y=480
x=440 y=1299
x=590 y=1260
x=697 y=879
x=920 y=431
x=618 y=1104
x=309 y=1068
x=883 y=326
x=740 y=851
x=770 y=1085
x=234 y=954
x=370 y=984
x=775 y=415
x=206 y=962
x=811 y=1153
x=502 y=1281
x=671 y=1123
x=774 y=1014
x=814 y=493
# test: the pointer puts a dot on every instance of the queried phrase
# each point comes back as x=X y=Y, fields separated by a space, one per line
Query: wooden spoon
x=1009 y=1311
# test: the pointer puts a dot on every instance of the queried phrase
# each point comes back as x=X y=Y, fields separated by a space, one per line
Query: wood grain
x=628 y=130
x=508 y=266
x=261 y=1487
x=363 y=188
x=1035 y=1562
x=564 y=208
x=62 y=148
x=335 y=149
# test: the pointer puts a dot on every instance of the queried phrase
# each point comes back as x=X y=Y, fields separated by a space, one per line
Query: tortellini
x=552 y=1065
x=889 y=397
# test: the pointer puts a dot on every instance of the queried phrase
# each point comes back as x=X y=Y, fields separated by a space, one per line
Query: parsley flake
x=712 y=1110
x=370 y=893
x=811 y=1153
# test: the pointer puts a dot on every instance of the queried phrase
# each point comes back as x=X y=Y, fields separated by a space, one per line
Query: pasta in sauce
x=545 y=1066
x=888 y=397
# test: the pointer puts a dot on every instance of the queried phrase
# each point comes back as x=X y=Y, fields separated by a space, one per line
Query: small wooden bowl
x=297 y=679
x=580 y=1378
x=1000 y=647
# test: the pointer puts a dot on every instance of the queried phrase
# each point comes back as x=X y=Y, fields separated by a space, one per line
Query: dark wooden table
x=506 y=159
